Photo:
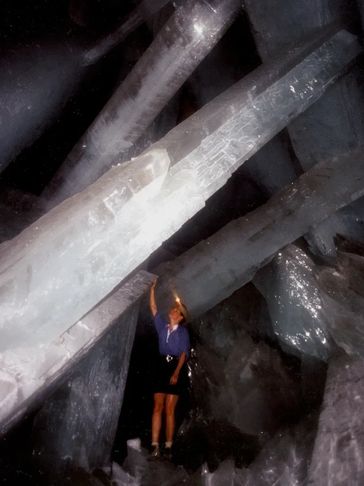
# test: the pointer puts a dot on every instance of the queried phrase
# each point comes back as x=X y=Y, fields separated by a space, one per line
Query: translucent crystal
x=322 y=131
x=29 y=372
x=179 y=47
x=219 y=265
x=65 y=263
x=292 y=292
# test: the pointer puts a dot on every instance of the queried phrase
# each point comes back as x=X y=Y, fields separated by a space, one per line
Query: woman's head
x=177 y=313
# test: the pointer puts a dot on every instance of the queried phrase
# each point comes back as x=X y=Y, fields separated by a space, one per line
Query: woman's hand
x=154 y=283
x=174 y=378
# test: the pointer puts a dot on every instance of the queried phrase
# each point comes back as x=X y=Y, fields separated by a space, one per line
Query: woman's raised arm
x=152 y=302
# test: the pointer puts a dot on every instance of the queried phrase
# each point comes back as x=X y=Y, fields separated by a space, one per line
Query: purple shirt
x=174 y=344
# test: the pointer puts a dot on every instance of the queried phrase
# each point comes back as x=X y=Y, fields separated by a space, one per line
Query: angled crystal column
x=79 y=253
x=94 y=356
x=216 y=267
x=334 y=125
x=337 y=456
x=61 y=266
x=180 y=46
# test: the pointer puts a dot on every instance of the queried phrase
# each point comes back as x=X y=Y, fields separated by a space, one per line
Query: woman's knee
x=158 y=408
x=158 y=405
x=170 y=407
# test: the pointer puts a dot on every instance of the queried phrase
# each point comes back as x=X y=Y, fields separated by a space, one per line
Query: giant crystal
x=84 y=242
x=30 y=372
x=216 y=267
x=180 y=46
x=335 y=125
x=62 y=265
x=299 y=320
x=314 y=306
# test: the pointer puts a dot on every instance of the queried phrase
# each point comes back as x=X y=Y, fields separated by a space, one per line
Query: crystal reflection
x=292 y=293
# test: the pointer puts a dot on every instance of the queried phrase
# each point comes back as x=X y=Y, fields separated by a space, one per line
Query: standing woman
x=174 y=350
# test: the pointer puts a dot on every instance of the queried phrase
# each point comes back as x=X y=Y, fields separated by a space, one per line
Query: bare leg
x=171 y=402
x=159 y=399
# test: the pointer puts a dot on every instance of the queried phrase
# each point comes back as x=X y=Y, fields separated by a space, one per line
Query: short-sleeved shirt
x=174 y=342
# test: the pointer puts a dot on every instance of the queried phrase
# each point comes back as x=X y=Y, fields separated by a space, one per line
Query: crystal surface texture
x=61 y=266
x=179 y=47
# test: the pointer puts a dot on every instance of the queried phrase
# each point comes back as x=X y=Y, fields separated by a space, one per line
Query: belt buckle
x=169 y=358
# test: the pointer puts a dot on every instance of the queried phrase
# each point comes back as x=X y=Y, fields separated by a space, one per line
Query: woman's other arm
x=181 y=361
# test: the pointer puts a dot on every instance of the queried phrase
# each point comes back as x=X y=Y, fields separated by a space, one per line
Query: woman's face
x=175 y=315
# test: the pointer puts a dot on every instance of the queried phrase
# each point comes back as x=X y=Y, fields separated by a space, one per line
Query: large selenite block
x=182 y=43
x=65 y=263
x=298 y=316
x=219 y=265
x=337 y=458
x=31 y=372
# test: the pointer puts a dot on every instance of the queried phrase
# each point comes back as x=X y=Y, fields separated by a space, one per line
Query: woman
x=174 y=349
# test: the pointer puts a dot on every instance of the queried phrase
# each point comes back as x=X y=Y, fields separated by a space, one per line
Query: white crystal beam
x=56 y=270
x=212 y=270
x=334 y=125
x=179 y=47
x=28 y=375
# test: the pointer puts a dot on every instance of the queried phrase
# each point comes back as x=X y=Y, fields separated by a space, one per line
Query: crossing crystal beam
x=183 y=42
x=61 y=266
x=216 y=267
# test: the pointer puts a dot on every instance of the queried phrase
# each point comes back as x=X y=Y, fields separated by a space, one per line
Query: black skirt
x=164 y=371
